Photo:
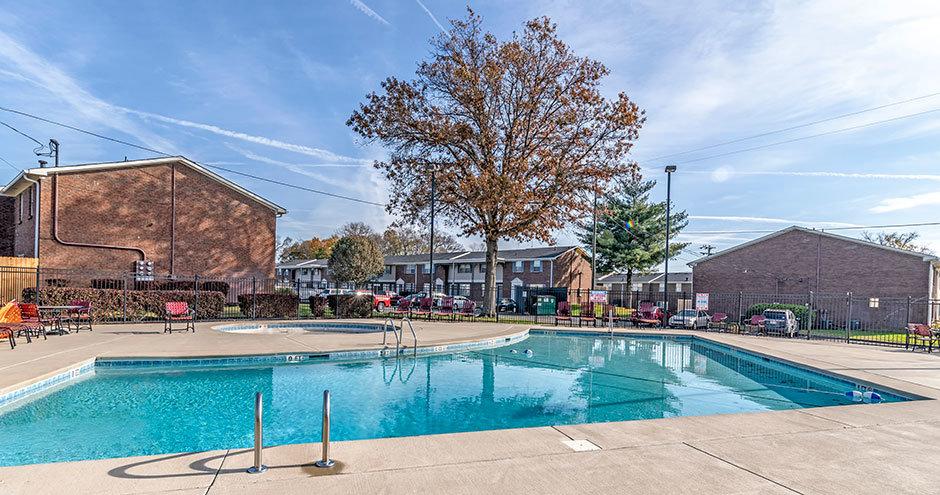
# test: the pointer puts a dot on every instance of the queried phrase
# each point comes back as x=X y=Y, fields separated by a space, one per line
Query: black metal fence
x=126 y=297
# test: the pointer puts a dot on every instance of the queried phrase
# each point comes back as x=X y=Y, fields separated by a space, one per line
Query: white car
x=690 y=318
x=781 y=321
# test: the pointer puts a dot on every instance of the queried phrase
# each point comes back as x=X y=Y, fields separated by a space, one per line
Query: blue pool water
x=567 y=379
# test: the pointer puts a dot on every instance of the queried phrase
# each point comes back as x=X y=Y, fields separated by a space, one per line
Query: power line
x=144 y=148
x=14 y=167
x=27 y=136
x=794 y=127
x=803 y=138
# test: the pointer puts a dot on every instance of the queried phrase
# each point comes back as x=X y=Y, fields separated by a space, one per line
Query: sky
x=266 y=89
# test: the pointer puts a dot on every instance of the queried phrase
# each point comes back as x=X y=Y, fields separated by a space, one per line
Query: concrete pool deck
x=883 y=448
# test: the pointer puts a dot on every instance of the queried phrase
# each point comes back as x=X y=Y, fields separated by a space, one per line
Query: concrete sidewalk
x=878 y=449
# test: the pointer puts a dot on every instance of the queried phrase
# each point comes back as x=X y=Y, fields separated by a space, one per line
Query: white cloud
x=746 y=219
x=367 y=11
x=266 y=141
x=724 y=173
x=26 y=65
x=906 y=202
x=428 y=12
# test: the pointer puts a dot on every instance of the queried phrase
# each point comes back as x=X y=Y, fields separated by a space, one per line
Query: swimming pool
x=566 y=379
x=296 y=327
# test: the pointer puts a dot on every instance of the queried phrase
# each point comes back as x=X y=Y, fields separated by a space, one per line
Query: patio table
x=57 y=312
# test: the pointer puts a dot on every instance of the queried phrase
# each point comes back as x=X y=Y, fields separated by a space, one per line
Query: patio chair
x=922 y=335
x=7 y=332
x=425 y=307
x=719 y=321
x=446 y=309
x=610 y=315
x=80 y=317
x=404 y=307
x=587 y=314
x=178 y=311
x=467 y=311
x=648 y=314
x=756 y=324
x=563 y=312
x=32 y=323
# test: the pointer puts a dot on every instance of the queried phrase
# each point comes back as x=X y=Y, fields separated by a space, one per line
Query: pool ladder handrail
x=385 y=326
x=411 y=327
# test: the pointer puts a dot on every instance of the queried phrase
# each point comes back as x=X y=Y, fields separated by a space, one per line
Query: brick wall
x=786 y=264
x=219 y=232
x=7 y=226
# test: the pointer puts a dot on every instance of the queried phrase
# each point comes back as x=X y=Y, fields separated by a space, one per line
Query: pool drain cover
x=580 y=445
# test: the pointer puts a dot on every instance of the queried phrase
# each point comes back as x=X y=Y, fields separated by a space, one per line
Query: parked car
x=418 y=296
x=393 y=297
x=507 y=305
x=460 y=302
x=780 y=321
x=690 y=318
x=333 y=292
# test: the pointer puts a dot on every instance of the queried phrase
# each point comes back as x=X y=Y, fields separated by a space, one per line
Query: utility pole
x=669 y=170
x=706 y=249
x=594 y=245
x=431 y=254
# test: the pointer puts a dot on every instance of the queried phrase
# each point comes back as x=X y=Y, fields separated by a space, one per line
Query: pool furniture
x=33 y=323
x=467 y=311
x=178 y=311
x=648 y=314
x=922 y=335
x=81 y=316
x=446 y=309
x=425 y=306
x=587 y=314
x=55 y=316
x=755 y=324
x=563 y=312
x=719 y=321
x=6 y=332
x=403 y=308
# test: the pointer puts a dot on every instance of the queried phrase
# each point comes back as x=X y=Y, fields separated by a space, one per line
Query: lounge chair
x=563 y=312
x=178 y=311
x=755 y=324
x=404 y=307
x=648 y=314
x=425 y=307
x=920 y=334
x=32 y=322
x=719 y=321
x=81 y=317
x=7 y=332
x=467 y=311
x=587 y=314
x=446 y=309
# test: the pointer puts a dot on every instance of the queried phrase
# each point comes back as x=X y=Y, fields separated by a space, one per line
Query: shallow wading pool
x=131 y=409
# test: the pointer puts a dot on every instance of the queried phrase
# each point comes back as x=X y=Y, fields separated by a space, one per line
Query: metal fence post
x=37 y=286
x=810 y=314
x=740 y=307
x=907 y=339
x=196 y=295
x=848 y=317
x=124 y=299
x=254 y=294
x=299 y=299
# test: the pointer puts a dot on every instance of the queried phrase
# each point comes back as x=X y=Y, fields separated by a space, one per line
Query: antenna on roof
x=53 y=152
x=42 y=163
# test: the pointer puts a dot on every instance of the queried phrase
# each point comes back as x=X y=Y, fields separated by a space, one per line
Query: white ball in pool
x=513 y=351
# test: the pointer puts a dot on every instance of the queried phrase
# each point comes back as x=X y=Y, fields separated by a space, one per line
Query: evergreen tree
x=631 y=229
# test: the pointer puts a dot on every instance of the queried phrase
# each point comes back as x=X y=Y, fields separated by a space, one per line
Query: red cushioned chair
x=178 y=311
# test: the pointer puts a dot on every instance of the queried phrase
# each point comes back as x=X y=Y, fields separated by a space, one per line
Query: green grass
x=892 y=336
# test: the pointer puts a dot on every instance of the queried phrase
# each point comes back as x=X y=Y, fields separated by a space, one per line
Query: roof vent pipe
x=42 y=163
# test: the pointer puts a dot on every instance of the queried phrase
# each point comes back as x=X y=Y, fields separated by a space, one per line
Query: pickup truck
x=381 y=300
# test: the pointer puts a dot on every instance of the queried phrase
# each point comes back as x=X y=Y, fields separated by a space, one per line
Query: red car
x=382 y=299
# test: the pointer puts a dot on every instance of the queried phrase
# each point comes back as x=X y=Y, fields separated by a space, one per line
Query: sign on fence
x=701 y=301
x=598 y=296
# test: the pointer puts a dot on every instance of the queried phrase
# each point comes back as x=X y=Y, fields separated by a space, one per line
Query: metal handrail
x=258 y=466
x=325 y=461
x=412 y=328
x=389 y=323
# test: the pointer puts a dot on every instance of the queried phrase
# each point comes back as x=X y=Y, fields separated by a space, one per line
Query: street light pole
x=431 y=254
x=594 y=246
x=669 y=170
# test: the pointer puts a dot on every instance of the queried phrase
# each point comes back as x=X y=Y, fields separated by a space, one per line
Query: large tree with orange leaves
x=516 y=132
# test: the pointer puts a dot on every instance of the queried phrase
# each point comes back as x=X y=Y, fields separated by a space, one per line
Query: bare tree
x=900 y=240
x=516 y=133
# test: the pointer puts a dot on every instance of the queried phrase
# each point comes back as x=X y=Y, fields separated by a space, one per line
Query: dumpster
x=544 y=305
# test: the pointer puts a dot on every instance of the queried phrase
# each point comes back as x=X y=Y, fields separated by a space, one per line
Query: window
x=518 y=267
x=482 y=267
x=410 y=287
x=426 y=269
x=464 y=289
x=464 y=268
x=874 y=302
x=388 y=269
x=303 y=271
x=30 y=207
x=20 y=199
x=427 y=288
x=410 y=269
x=537 y=266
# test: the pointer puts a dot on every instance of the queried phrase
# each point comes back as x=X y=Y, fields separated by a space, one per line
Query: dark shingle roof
x=548 y=252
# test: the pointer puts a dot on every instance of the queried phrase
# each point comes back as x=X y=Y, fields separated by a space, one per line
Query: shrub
x=318 y=306
x=109 y=304
x=58 y=282
x=177 y=285
x=107 y=283
x=800 y=311
x=268 y=305
x=215 y=286
x=350 y=305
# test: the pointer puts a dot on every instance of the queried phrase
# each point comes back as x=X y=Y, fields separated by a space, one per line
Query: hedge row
x=350 y=305
x=118 y=283
x=110 y=304
x=800 y=311
x=268 y=305
x=318 y=306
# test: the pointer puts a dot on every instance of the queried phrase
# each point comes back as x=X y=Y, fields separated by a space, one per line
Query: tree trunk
x=489 y=285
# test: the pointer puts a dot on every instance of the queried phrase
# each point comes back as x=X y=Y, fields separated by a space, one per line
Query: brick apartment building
x=646 y=282
x=106 y=216
x=463 y=272
x=797 y=260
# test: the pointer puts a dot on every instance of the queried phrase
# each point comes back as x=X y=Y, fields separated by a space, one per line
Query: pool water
x=566 y=379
